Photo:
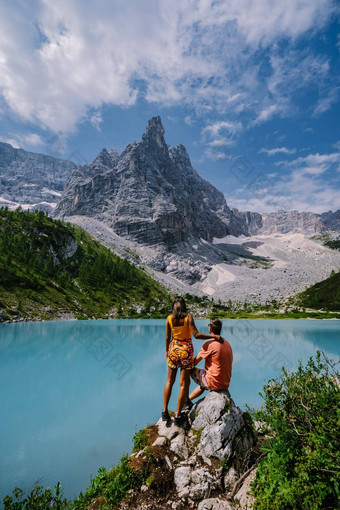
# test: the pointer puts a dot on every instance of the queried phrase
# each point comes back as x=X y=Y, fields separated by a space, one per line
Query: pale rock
x=219 y=421
x=215 y=504
x=192 y=461
x=210 y=409
x=161 y=441
x=182 y=481
x=168 y=461
x=230 y=479
x=243 y=496
x=138 y=454
x=167 y=429
x=179 y=447
x=202 y=483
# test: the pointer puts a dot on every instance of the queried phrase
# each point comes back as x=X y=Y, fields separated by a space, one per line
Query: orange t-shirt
x=218 y=361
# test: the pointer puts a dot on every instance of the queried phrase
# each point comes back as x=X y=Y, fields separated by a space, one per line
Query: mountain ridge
x=149 y=205
x=32 y=179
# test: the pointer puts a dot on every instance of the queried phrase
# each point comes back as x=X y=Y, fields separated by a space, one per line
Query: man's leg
x=197 y=392
x=198 y=375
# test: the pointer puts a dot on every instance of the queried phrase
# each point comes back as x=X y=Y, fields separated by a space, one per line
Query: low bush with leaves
x=140 y=440
x=301 y=468
x=112 y=486
x=38 y=499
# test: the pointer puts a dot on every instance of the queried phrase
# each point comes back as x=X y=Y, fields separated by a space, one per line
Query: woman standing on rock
x=179 y=354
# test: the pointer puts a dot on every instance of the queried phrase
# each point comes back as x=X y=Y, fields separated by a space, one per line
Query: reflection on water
x=74 y=393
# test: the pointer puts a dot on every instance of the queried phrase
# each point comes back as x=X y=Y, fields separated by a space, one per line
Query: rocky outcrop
x=29 y=179
x=201 y=462
x=281 y=222
x=289 y=222
x=331 y=219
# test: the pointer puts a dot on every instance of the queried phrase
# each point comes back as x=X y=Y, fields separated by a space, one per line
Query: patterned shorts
x=199 y=376
x=181 y=354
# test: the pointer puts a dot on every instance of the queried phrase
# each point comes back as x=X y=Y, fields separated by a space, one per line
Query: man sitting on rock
x=218 y=357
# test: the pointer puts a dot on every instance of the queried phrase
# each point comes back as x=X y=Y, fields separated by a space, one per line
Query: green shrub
x=38 y=499
x=113 y=485
x=140 y=440
x=301 y=468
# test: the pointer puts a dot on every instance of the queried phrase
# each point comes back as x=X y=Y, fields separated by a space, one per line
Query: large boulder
x=210 y=452
x=219 y=421
x=200 y=465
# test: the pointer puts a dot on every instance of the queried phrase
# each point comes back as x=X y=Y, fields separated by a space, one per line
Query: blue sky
x=250 y=87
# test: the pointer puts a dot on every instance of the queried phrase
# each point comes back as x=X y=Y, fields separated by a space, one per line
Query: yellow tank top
x=180 y=332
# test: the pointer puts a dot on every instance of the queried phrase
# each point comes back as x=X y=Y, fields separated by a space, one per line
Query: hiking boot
x=179 y=420
x=165 y=416
x=188 y=405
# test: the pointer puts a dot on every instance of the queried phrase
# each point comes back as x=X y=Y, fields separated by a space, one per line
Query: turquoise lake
x=74 y=393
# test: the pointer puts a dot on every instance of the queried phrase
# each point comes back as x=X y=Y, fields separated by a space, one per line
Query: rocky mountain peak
x=114 y=155
x=103 y=159
x=155 y=125
x=153 y=138
x=180 y=156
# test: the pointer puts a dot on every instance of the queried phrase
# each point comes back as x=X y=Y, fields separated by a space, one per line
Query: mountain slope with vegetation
x=49 y=268
x=323 y=295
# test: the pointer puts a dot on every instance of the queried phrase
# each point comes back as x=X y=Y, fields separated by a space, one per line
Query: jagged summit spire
x=153 y=137
x=155 y=125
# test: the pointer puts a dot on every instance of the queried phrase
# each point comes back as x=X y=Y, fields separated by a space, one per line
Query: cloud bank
x=61 y=62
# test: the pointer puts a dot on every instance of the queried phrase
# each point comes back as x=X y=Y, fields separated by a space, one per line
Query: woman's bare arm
x=168 y=337
x=196 y=333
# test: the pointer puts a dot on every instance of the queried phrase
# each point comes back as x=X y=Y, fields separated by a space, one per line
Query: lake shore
x=314 y=315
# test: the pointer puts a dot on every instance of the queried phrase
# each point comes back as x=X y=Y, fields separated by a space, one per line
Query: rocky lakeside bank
x=208 y=464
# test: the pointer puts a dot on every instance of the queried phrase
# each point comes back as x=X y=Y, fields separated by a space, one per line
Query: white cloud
x=24 y=140
x=277 y=150
x=220 y=142
x=219 y=136
x=11 y=141
x=217 y=154
x=325 y=103
x=31 y=139
x=222 y=126
x=321 y=161
x=300 y=180
x=266 y=114
x=295 y=69
x=60 y=60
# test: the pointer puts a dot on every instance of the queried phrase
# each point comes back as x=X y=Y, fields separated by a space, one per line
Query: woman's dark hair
x=179 y=309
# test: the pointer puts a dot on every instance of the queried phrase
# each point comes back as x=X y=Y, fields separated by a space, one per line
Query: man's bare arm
x=197 y=360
